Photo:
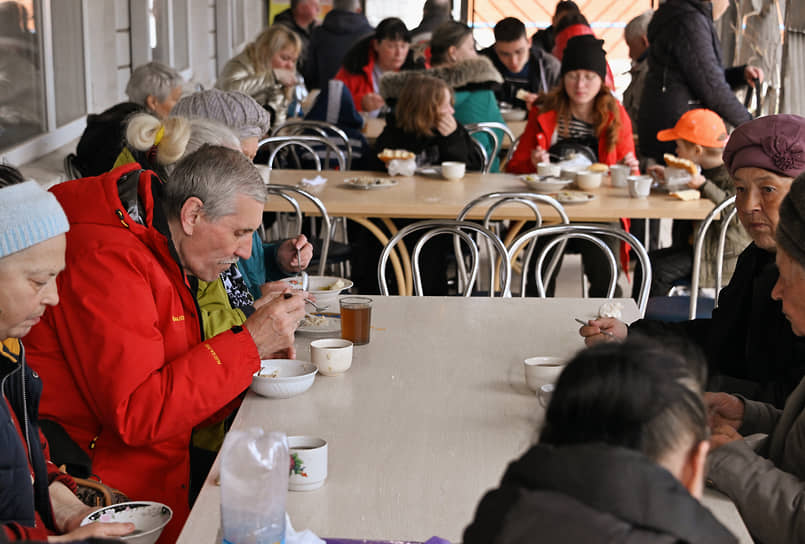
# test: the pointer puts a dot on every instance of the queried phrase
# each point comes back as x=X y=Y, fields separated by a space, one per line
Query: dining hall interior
x=475 y=270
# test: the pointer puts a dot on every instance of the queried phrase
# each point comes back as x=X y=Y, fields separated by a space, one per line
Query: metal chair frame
x=70 y=168
x=698 y=247
x=296 y=127
x=591 y=233
x=510 y=152
x=529 y=200
x=287 y=193
x=487 y=162
x=306 y=142
x=488 y=159
x=456 y=228
x=489 y=127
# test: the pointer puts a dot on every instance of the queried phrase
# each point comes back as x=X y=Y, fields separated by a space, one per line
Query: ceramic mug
x=332 y=356
x=639 y=186
x=309 y=457
x=618 y=174
x=453 y=170
x=542 y=370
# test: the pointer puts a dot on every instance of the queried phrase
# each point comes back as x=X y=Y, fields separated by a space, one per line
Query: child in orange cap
x=700 y=137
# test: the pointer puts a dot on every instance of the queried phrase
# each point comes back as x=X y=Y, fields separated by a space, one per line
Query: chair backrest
x=592 y=233
x=493 y=125
x=489 y=158
x=306 y=142
x=460 y=229
x=510 y=152
x=529 y=200
x=70 y=168
x=290 y=194
x=298 y=127
x=482 y=150
x=698 y=247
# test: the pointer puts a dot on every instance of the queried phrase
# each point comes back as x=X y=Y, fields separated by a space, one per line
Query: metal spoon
x=607 y=333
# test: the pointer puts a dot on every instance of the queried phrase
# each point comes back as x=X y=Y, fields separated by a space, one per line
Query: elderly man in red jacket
x=127 y=373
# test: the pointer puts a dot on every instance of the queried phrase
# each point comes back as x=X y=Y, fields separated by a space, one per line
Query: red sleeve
x=15 y=531
x=625 y=136
x=520 y=163
x=349 y=82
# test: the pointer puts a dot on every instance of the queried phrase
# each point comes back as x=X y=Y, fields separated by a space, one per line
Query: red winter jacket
x=545 y=124
x=125 y=369
x=359 y=84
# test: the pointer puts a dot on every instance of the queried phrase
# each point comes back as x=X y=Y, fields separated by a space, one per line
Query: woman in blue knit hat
x=37 y=501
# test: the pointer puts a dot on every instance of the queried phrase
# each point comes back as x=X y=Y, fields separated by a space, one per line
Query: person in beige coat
x=266 y=71
x=767 y=482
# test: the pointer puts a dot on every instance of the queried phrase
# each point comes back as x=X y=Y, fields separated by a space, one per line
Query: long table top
x=429 y=196
x=426 y=420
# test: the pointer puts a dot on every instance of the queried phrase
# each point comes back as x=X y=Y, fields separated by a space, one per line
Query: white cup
x=587 y=180
x=549 y=169
x=332 y=356
x=309 y=455
x=542 y=370
x=639 y=186
x=618 y=173
x=453 y=170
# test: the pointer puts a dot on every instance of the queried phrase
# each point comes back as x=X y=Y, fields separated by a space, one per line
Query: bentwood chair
x=277 y=143
x=461 y=229
x=339 y=138
x=496 y=200
x=556 y=234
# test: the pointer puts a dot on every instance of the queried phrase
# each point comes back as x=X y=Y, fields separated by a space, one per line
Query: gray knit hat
x=238 y=111
x=791 y=227
x=28 y=215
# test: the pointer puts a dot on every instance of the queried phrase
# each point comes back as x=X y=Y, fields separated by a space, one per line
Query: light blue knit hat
x=28 y=215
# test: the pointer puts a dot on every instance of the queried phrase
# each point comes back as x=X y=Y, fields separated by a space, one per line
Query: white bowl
x=283 y=378
x=542 y=184
x=148 y=517
x=332 y=356
x=542 y=370
x=453 y=170
x=587 y=180
x=326 y=291
x=549 y=169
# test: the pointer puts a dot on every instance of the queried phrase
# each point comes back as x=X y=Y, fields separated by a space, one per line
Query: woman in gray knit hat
x=767 y=481
x=749 y=345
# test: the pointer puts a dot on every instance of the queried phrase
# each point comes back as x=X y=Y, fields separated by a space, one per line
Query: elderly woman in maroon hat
x=767 y=481
x=749 y=345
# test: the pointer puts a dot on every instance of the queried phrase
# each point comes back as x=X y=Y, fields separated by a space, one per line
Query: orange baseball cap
x=700 y=126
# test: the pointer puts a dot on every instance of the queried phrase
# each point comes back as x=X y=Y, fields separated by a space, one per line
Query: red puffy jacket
x=545 y=124
x=359 y=84
x=125 y=369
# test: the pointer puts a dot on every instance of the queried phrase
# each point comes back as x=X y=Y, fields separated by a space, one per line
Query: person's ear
x=698 y=149
x=644 y=40
x=191 y=214
x=374 y=45
x=451 y=53
x=692 y=476
x=151 y=102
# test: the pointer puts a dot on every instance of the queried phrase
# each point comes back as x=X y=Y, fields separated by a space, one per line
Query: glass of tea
x=356 y=319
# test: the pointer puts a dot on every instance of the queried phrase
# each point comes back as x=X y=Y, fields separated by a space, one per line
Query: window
x=22 y=80
x=160 y=31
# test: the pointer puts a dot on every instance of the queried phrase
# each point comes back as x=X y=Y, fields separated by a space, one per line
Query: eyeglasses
x=585 y=77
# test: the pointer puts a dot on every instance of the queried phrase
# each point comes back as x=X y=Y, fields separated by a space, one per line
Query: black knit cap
x=585 y=52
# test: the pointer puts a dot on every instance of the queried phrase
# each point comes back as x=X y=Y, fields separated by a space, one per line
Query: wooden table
x=375 y=126
x=430 y=196
x=426 y=420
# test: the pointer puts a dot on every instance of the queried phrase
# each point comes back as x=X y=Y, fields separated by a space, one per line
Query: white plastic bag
x=254 y=485
x=399 y=167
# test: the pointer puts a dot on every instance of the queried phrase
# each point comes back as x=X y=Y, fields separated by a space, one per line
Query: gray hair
x=638 y=26
x=346 y=5
x=152 y=79
x=215 y=175
x=205 y=131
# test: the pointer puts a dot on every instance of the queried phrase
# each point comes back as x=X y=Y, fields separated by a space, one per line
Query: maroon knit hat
x=775 y=143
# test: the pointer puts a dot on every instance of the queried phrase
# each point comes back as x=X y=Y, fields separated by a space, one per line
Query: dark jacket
x=24 y=508
x=543 y=75
x=591 y=493
x=748 y=342
x=435 y=149
x=544 y=39
x=104 y=138
x=685 y=71
x=330 y=42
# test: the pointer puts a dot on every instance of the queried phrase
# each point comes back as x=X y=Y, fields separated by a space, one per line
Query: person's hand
x=94 y=530
x=723 y=435
x=274 y=289
x=751 y=73
x=446 y=124
x=529 y=100
x=724 y=410
x=287 y=78
x=631 y=161
x=696 y=181
x=286 y=254
x=538 y=155
x=372 y=102
x=657 y=171
x=603 y=329
x=273 y=324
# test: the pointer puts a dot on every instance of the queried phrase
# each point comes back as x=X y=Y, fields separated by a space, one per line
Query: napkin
x=399 y=167
x=302 y=537
x=318 y=180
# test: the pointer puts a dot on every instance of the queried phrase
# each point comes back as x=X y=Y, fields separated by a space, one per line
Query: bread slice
x=388 y=155
x=687 y=194
x=683 y=164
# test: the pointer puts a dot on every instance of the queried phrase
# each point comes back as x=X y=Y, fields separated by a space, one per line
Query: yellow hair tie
x=160 y=134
